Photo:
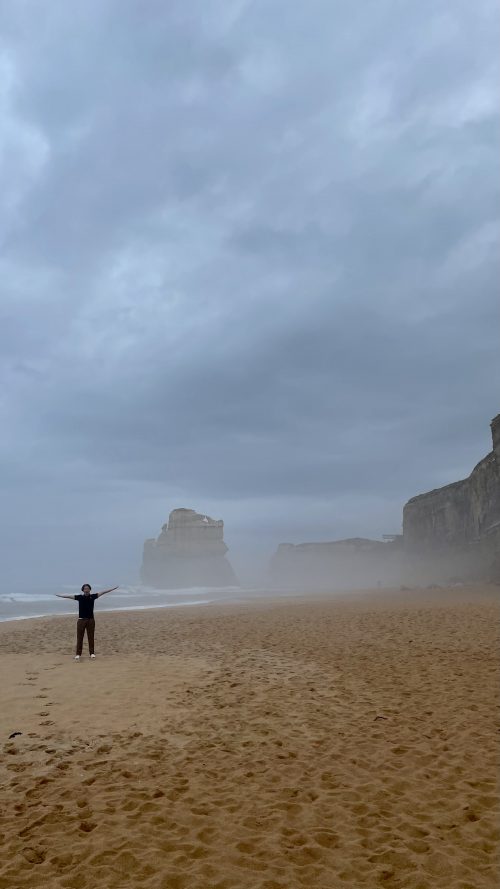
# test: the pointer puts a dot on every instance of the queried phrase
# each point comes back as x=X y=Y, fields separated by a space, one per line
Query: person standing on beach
x=85 y=622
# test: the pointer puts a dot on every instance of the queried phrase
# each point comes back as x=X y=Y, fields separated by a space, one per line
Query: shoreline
x=154 y=599
x=131 y=610
x=464 y=592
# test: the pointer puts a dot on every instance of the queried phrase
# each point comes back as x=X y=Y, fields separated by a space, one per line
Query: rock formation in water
x=190 y=552
x=461 y=521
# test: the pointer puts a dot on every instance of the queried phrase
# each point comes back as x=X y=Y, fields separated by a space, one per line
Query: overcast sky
x=249 y=265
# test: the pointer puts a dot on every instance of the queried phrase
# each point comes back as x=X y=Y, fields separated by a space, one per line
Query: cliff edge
x=461 y=513
x=461 y=520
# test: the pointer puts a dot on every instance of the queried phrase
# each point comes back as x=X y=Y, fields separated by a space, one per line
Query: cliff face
x=462 y=519
x=438 y=518
x=339 y=564
x=458 y=514
x=189 y=552
x=449 y=532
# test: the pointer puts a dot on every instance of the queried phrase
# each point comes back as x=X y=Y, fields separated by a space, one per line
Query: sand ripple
x=289 y=745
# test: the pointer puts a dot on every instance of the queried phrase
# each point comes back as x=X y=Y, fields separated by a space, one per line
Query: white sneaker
x=92 y=656
x=77 y=657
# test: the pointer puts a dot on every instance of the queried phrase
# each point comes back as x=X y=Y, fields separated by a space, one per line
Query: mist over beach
x=250 y=451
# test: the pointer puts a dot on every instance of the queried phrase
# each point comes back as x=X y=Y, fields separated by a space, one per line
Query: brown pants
x=85 y=624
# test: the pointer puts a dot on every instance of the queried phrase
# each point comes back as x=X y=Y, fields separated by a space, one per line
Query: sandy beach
x=321 y=742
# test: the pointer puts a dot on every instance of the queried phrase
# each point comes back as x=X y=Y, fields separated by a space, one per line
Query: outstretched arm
x=61 y=596
x=103 y=592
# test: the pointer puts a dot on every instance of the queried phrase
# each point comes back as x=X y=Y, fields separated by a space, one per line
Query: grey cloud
x=250 y=259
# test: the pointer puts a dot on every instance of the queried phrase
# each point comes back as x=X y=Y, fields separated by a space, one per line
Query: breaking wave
x=130 y=597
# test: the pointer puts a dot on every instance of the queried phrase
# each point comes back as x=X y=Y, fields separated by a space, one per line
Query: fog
x=249 y=265
x=394 y=569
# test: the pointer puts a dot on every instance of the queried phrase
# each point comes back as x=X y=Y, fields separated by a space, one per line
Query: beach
x=309 y=741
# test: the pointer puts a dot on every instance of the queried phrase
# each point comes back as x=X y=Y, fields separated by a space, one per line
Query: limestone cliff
x=462 y=519
x=452 y=531
x=460 y=513
x=339 y=564
x=189 y=552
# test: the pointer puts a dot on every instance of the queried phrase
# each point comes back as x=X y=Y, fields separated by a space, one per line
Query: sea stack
x=190 y=552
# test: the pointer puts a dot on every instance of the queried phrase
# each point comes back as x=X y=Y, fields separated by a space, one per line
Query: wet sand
x=328 y=742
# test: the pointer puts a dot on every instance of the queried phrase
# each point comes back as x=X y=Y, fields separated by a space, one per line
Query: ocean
x=42 y=602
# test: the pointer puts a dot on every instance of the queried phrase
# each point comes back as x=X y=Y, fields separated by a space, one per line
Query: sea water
x=42 y=602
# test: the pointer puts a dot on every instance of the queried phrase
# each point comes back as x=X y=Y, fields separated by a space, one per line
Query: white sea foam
x=25 y=597
x=24 y=604
x=163 y=605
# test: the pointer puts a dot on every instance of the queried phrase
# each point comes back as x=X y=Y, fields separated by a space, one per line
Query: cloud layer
x=249 y=265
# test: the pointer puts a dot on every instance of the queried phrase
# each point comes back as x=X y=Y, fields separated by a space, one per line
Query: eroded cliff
x=458 y=514
x=356 y=562
x=189 y=552
x=449 y=533
x=461 y=521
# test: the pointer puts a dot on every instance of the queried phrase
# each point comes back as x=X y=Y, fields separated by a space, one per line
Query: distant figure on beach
x=85 y=622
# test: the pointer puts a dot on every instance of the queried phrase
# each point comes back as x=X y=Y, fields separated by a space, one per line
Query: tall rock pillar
x=189 y=552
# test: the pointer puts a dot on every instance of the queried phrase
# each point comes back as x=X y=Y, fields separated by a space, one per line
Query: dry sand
x=329 y=743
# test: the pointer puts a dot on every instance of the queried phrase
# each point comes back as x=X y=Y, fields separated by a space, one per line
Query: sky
x=248 y=265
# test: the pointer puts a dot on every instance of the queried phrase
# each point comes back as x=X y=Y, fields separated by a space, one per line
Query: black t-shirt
x=86 y=605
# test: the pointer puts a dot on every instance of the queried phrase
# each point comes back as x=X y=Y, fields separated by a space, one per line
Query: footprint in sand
x=34 y=856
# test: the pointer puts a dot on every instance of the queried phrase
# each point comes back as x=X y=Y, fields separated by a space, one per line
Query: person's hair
x=86 y=584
